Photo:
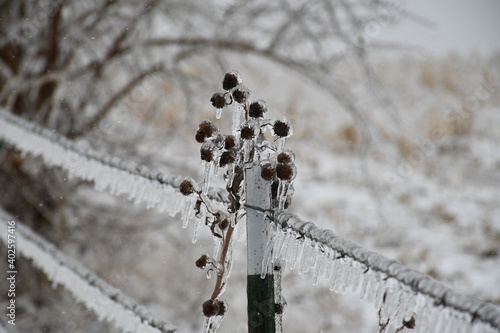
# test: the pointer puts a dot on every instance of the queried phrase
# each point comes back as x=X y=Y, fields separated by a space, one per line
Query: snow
x=108 y=303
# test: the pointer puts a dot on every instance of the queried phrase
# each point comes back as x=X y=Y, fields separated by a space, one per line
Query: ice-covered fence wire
x=107 y=302
x=404 y=297
x=110 y=173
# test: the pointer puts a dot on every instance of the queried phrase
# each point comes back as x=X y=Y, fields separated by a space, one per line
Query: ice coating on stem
x=206 y=176
x=212 y=324
x=235 y=125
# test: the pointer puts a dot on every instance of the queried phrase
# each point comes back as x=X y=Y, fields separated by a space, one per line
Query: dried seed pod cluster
x=254 y=141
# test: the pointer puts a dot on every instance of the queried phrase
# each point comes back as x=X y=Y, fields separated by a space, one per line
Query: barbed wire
x=107 y=302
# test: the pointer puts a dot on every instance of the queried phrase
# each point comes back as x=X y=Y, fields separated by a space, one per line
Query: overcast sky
x=460 y=25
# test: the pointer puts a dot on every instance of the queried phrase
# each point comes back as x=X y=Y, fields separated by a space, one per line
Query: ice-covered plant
x=254 y=141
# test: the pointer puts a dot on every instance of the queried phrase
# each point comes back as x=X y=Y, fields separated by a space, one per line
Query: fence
x=403 y=296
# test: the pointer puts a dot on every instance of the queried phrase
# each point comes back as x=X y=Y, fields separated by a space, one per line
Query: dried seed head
x=207 y=151
x=286 y=157
x=268 y=171
x=222 y=308
x=187 y=187
x=283 y=128
x=241 y=94
x=218 y=100
x=257 y=109
x=224 y=224
x=214 y=308
x=286 y=171
x=249 y=130
x=228 y=157
x=208 y=128
x=200 y=136
x=230 y=141
x=247 y=133
x=410 y=323
x=202 y=261
x=210 y=308
x=231 y=80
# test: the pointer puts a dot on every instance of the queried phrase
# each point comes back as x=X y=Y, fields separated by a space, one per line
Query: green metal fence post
x=261 y=308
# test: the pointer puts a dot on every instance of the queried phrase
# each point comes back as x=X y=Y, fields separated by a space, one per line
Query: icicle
x=408 y=306
x=268 y=256
x=282 y=192
x=279 y=238
x=365 y=286
x=284 y=246
x=303 y=268
x=248 y=149
x=217 y=248
x=340 y=281
x=423 y=320
x=206 y=177
x=238 y=110
x=241 y=232
x=334 y=274
x=292 y=250
x=218 y=113
x=326 y=269
x=230 y=174
x=281 y=144
x=391 y=304
x=298 y=257
x=442 y=319
x=379 y=296
x=188 y=208
x=355 y=277
x=196 y=226
x=320 y=263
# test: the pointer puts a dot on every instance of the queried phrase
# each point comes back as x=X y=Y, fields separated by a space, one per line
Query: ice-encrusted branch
x=404 y=297
x=110 y=173
x=107 y=302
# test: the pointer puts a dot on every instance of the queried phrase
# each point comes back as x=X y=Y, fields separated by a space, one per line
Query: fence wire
x=110 y=173
x=398 y=291
x=107 y=302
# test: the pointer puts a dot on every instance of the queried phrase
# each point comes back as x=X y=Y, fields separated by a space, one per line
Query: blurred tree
x=78 y=66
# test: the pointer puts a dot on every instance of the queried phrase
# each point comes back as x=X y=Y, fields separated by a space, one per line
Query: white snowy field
x=426 y=192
